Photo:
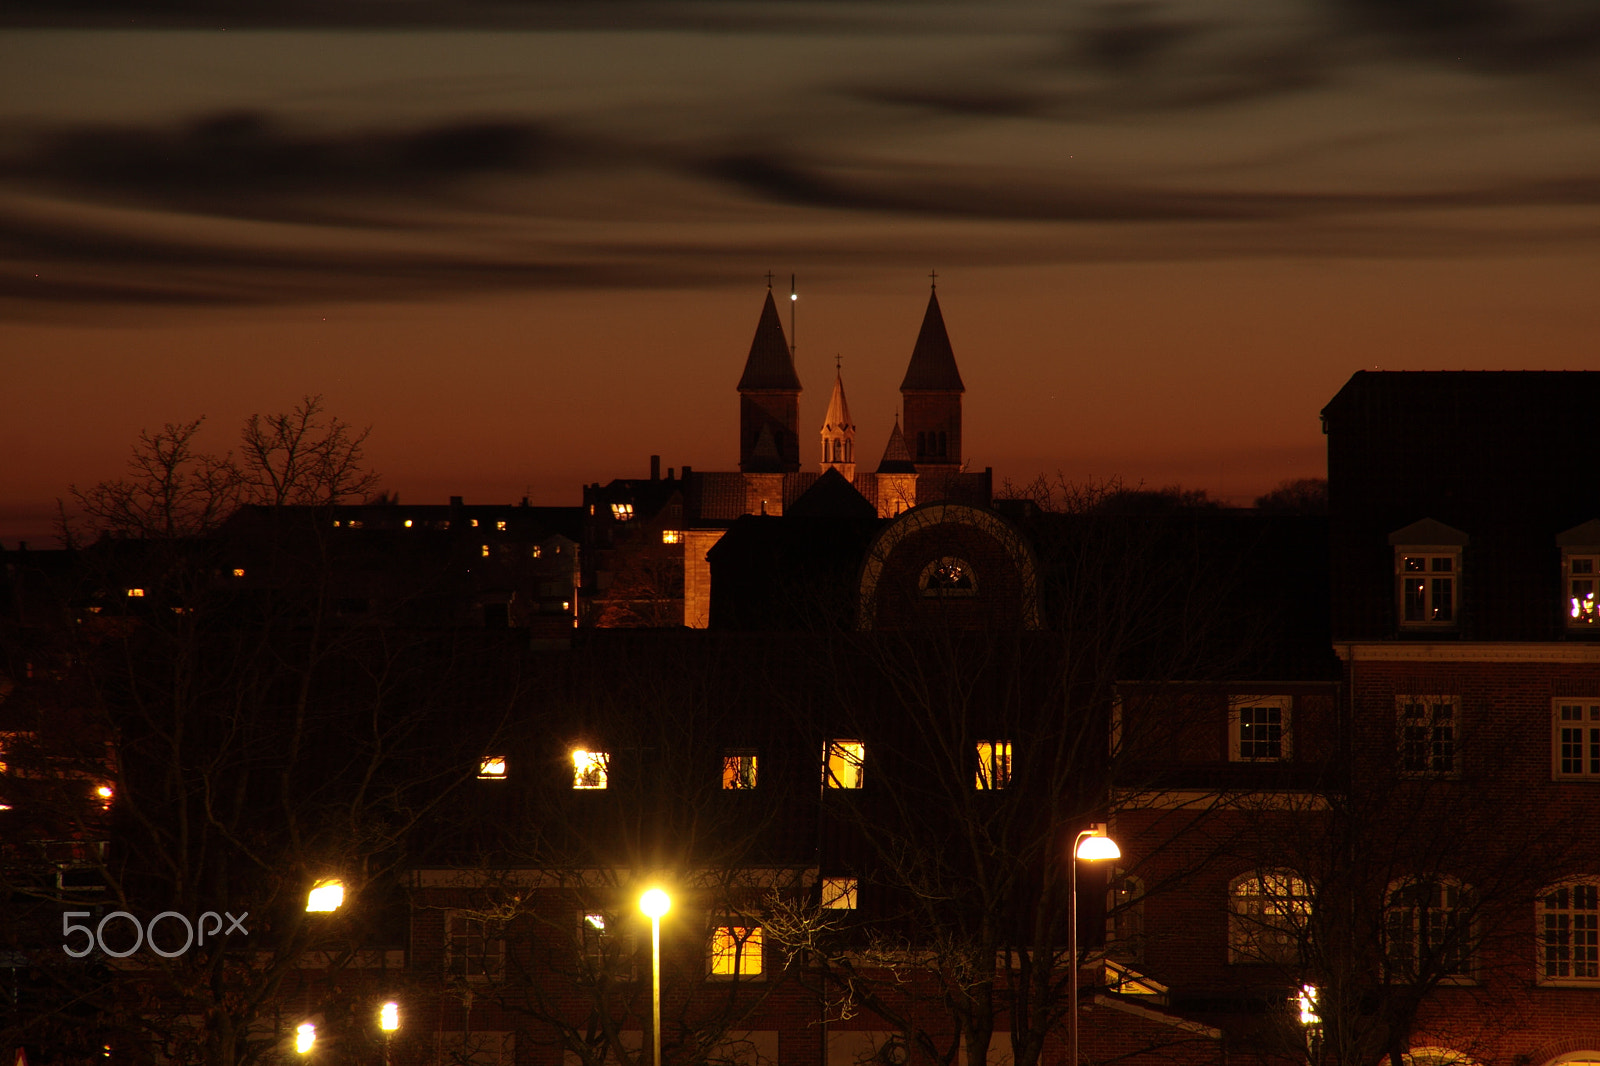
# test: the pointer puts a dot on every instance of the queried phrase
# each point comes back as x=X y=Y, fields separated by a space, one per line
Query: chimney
x=655 y=468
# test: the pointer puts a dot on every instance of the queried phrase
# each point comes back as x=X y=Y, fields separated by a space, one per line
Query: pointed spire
x=837 y=420
x=897 y=457
x=933 y=364
x=769 y=365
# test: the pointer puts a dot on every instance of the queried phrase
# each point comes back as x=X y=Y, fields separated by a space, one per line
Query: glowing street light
x=1091 y=845
x=325 y=896
x=655 y=902
x=388 y=1021
x=304 y=1036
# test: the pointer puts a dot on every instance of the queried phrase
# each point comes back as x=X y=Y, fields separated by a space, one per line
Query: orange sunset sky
x=526 y=242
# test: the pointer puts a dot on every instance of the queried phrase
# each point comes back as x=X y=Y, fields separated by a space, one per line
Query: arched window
x=1428 y=929
x=1269 y=917
x=1568 y=922
x=948 y=576
x=1437 y=1056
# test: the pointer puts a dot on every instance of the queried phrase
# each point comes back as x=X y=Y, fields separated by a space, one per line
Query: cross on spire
x=933 y=279
x=837 y=362
x=769 y=281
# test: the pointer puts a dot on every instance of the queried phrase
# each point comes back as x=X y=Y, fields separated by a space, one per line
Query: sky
x=526 y=242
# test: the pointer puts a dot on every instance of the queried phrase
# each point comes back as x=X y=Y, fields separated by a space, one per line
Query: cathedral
x=646 y=540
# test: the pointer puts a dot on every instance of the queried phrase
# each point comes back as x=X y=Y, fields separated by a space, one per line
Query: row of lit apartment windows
x=843 y=766
x=411 y=523
x=1429 y=589
x=1427 y=924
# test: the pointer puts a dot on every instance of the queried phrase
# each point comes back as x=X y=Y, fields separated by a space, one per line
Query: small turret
x=839 y=434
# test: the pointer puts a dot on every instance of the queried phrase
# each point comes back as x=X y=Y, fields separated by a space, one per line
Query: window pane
x=590 y=769
x=994 y=764
x=843 y=764
x=736 y=950
x=739 y=769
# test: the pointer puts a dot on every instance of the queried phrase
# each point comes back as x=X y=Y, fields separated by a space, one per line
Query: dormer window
x=622 y=512
x=1580 y=576
x=1427 y=566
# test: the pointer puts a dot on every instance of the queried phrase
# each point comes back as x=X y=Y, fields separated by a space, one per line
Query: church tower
x=769 y=401
x=931 y=395
x=896 y=476
x=839 y=434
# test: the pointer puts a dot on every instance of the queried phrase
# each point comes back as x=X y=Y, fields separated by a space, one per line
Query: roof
x=896 y=456
x=933 y=364
x=831 y=496
x=770 y=365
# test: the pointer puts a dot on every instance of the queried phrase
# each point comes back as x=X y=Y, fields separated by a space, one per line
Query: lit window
x=1269 y=917
x=354 y=523
x=1428 y=930
x=238 y=571
x=472 y=946
x=604 y=952
x=839 y=893
x=842 y=763
x=1569 y=934
x=994 y=764
x=485 y=550
x=1258 y=730
x=1576 y=740
x=492 y=768
x=501 y=525
x=408 y=523
x=537 y=551
x=590 y=769
x=622 y=512
x=1583 y=583
x=736 y=951
x=1429 y=737
x=671 y=536
x=948 y=576
x=135 y=593
x=739 y=768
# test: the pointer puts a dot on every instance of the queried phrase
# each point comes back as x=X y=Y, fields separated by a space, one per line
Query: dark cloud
x=1509 y=36
x=243 y=164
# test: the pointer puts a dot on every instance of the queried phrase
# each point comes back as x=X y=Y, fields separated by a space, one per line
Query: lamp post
x=1090 y=845
x=655 y=903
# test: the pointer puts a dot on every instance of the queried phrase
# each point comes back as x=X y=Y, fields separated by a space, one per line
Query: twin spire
x=769 y=398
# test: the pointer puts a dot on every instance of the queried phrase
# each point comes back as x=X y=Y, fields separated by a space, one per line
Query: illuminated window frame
x=1580 y=578
x=622 y=512
x=948 y=577
x=739 y=767
x=839 y=893
x=672 y=536
x=492 y=768
x=1428 y=735
x=1269 y=917
x=591 y=770
x=1567 y=920
x=994 y=765
x=844 y=764
x=1254 y=735
x=1575 y=740
x=735 y=952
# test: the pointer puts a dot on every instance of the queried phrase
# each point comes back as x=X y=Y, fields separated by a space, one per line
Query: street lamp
x=325 y=896
x=305 y=1035
x=388 y=1021
x=655 y=903
x=1091 y=845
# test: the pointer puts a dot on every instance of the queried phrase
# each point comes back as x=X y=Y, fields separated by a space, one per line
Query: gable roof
x=769 y=365
x=831 y=496
x=933 y=364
